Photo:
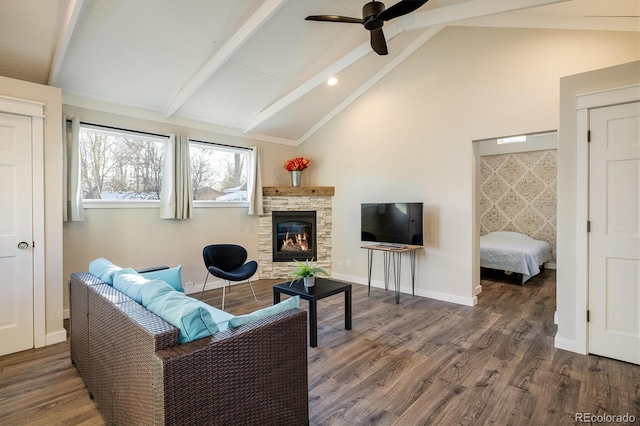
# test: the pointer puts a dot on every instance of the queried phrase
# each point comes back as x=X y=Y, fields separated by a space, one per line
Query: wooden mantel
x=298 y=191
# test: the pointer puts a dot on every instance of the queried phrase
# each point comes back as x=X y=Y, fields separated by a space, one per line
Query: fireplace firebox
x=294 y=235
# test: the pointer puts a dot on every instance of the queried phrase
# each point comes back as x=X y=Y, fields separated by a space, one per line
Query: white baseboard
x=566 y=344
x=477 y=290
x=197 y=288
x=445 y=297
x=56 y=337
x=550 y=265
x=555 y=317
x=352 y=279
x=65 y=314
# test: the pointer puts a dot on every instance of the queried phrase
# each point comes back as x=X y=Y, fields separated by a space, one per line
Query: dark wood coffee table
x=324 y=287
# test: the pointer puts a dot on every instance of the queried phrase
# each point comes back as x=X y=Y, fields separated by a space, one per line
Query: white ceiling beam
x=308 y=85
x=65 y=31
x=346 y=61
x=469 y=9
x=373 y=80
x=439 y=16
x=248 y=29
x=587 y=23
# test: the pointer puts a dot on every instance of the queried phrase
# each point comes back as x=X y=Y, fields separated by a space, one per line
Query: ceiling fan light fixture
x=332 y=81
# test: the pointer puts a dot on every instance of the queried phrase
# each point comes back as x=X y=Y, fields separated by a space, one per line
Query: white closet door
x=614 y=240
x=16 y=234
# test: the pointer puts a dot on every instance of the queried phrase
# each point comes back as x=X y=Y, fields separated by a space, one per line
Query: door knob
x=23 y=245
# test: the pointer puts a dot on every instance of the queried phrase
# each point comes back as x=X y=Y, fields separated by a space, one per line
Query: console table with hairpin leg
x=392 y=258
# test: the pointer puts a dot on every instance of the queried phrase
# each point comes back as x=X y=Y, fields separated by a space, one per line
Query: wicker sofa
x=136 y=371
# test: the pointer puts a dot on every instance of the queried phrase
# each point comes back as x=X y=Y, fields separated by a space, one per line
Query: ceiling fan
x=373 y=18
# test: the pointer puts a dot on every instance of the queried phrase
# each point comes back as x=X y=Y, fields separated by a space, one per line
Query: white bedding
x=513 y=252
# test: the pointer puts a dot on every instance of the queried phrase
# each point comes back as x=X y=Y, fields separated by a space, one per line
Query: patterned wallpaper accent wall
x=518 y=193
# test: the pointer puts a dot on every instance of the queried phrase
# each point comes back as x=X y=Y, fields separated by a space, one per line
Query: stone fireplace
x=301 y=230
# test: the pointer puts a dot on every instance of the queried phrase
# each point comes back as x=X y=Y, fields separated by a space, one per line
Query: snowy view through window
x=128 y=166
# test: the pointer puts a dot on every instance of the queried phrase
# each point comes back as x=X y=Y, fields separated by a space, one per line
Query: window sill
x=205 y=204
x=121 y=204
x=155 y=204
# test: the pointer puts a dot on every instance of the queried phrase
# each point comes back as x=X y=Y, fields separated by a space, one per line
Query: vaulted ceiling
x=252 y=67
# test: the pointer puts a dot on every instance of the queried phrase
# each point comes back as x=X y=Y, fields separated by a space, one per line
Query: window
x=122 y=168
x=218 y=172
x=512 y=139
x=120 y=165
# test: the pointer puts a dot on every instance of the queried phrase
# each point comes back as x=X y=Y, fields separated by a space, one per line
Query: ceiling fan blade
x=334 y=18
x=378 y=43
x=401 y=8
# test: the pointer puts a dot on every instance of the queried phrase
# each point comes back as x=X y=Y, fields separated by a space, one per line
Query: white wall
x=571 y=304
x=410 y=137
x=139 y=238
x=54 y=281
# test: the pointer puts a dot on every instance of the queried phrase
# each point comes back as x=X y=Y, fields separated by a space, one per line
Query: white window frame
x=155 y=204
x=90 y=203
x=221 y=147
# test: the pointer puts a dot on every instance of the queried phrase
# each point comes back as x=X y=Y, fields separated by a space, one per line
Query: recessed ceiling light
x=332 y=81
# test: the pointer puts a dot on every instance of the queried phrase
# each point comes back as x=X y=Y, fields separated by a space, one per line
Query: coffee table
x=324 y=287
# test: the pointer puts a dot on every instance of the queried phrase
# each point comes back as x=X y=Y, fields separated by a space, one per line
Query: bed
x=513 y=252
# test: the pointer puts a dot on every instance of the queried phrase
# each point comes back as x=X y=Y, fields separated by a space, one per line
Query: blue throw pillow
x=149 y=293
x=290 y=303
x=220 y=317
x=129 y=282
x=183 y=312
x=171 y=276
x=103 y=269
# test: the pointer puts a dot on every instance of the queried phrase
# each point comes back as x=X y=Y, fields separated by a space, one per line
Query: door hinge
x=588 y=226
x=588 y=135
x=33 y=244
x=588 y=316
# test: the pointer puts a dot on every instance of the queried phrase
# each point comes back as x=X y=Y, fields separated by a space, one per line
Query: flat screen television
x=392 y=224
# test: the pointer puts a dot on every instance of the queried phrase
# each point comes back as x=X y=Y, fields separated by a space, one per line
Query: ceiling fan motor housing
x=369 y=12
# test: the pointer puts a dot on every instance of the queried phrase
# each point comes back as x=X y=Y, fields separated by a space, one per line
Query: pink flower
x=296 y=164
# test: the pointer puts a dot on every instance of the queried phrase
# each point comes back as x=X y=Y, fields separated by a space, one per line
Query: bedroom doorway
x=515 y=190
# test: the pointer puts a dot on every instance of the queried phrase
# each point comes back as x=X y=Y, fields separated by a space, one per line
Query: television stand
x=392 y=256
x=392 y=246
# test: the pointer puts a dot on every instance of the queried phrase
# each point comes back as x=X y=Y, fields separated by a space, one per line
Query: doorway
x=515 y=190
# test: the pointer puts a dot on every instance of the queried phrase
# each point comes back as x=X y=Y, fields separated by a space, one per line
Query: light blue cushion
x=290 y=303
x=171 y=276
x=183 y=312
x=103 y=269
x=129 y=282
x=220 y=317
x=147 y=294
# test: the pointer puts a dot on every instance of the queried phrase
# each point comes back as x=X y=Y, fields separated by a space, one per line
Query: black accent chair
x=227 y=261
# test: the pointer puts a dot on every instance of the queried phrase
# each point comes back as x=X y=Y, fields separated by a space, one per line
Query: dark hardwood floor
x=417 y=363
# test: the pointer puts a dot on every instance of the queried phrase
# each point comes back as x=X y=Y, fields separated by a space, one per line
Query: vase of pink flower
x=295 y=166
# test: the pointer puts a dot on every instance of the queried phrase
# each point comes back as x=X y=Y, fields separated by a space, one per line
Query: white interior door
x=614 y=240
x=16 y=227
